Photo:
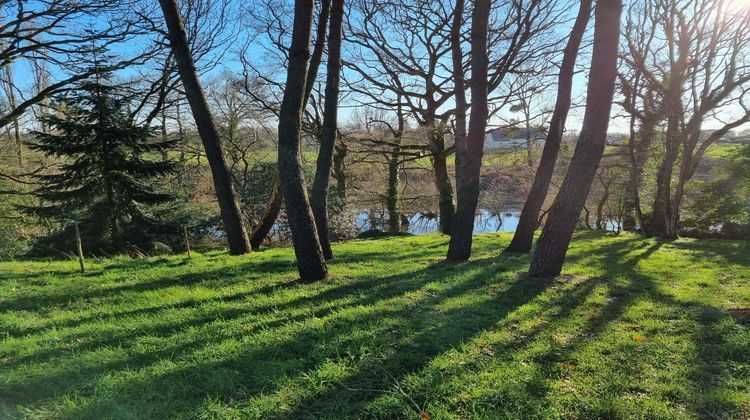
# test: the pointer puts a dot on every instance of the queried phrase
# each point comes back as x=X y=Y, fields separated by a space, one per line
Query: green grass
x=634 y=328
x=722 y=151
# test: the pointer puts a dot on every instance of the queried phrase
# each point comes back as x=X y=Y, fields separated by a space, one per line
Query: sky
x=230 y=62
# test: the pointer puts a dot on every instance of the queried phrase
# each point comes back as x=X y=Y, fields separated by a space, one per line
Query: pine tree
x=105 y=178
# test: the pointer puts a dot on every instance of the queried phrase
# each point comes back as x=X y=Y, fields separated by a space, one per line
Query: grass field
x=634 y=328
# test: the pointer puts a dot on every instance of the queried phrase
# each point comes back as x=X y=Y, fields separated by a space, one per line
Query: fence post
x=187 y=240
x=80 y=247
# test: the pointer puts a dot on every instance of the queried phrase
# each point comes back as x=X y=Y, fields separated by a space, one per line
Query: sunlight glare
x=738 y=5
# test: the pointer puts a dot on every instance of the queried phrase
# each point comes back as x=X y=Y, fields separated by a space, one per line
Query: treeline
x=109 y=105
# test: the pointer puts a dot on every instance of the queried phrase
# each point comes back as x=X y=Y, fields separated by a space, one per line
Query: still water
x=421 y=223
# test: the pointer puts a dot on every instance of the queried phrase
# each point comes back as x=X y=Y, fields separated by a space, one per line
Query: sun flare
x=738 y=5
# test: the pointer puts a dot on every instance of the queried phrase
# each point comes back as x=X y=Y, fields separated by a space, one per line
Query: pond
x=420 y=223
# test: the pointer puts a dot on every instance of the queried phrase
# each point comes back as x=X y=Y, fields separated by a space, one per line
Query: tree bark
x=662 y=201
x=324 y=161
x=549 y=255
x=637 y=157
x=527 y=223
x=317 y=53
x=11 y=93
x=276 y=199
x=339 y=156
x=264 y=226
x=469 y=153
x=228 y=206
x=310 y=261
x=442 y=178
x=394 y=181
x=392 y=194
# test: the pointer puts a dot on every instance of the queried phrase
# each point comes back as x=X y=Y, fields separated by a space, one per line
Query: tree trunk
x=394 y=180
x=392 y=194
x=324 y=162
x=637 y=154
x=164 y=134
x=339 y=156
x=228 y=206
x=442 y=179
x=601 y=224
x=527 y=223
x=469 y=153
x=264 y=226
x=310 y=261
x=549 y=255
x=11 y=93
x=317 y=54
x=662 y=201
x=275 y=199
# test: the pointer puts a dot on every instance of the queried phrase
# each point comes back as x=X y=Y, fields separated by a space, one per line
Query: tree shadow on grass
x=333 y=303
x=379 y=329
x=41 y=298
x=320 y=302
x=706 y=334
x=726 y=251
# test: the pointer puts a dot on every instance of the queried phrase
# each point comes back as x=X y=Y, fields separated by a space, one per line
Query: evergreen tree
x=105 y=178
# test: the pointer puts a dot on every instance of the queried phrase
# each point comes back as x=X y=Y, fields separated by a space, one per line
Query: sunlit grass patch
x=634 y=328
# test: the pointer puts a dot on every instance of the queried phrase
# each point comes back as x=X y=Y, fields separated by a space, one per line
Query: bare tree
x=266 y=91
x=319 y=199
x=549 y=254
x=403 y=50
x=469 y=146
x=694 y=70
x=50 y=34
x=528 y=221
x=228 y=206
x=641 y=102
x=9 y=87
x=310 y=260
x=400 y=50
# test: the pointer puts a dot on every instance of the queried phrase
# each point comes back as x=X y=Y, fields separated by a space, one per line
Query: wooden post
x=187 y=240
x=80 y=247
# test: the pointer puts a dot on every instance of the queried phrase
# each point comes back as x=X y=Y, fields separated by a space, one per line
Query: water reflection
x=420 y=223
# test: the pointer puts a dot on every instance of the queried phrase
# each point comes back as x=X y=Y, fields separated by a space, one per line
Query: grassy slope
x=634 y=328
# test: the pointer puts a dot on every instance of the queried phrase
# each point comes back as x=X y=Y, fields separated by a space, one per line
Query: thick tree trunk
x=469 y=153
x=228 y=206
x=324 y=162
x=549 y=255
x=527 y=223
x=275 y=199
x=310 y=261
x=662 y=208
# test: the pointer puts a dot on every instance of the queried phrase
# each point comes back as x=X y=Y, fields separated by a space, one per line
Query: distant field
x=633 y=329
x=722 y=150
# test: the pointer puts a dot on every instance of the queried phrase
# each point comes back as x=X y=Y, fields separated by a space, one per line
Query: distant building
x=617 y=139
x=513 y=137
